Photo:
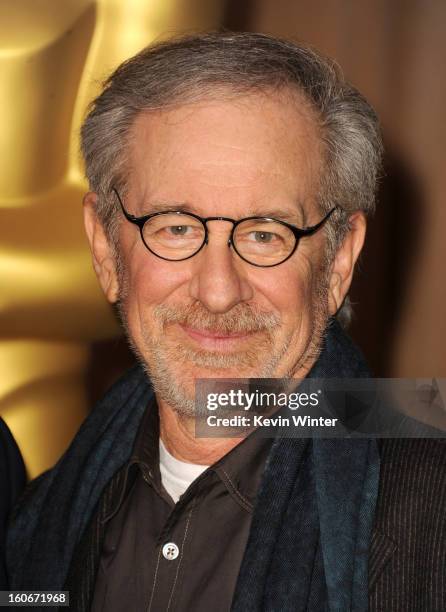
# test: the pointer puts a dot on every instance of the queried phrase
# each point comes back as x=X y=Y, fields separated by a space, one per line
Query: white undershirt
x=176 y=475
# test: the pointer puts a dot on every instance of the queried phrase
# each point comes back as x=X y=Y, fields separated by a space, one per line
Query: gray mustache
x=238 y=319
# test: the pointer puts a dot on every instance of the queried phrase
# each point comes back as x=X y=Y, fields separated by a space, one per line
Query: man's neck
x=178 y=435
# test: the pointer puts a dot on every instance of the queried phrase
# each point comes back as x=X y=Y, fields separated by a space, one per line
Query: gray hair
x=192 y=67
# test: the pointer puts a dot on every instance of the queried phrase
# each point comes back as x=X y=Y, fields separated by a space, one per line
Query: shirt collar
x=240 y=469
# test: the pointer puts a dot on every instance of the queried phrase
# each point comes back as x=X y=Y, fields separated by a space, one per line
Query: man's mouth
x=216 y=340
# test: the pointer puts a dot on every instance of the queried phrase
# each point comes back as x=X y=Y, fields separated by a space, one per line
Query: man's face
x=215 y=315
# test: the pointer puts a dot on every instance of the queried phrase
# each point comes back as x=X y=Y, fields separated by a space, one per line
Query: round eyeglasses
x=260 y=241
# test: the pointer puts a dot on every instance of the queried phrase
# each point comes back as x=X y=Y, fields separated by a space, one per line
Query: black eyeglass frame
x=297 y=231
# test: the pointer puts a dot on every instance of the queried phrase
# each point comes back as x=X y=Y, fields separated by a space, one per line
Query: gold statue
x=53 y=55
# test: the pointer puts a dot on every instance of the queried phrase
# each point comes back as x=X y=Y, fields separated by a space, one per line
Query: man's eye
x=264 y=237
x=179 y=230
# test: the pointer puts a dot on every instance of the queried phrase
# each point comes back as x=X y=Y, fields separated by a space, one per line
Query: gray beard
x=168 y=386
x=163 y=366
x=163 y=363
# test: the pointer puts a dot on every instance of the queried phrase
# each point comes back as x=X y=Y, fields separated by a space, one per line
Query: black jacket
x=407 y=561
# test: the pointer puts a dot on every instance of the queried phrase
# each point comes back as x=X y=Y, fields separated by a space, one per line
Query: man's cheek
x=156 y=281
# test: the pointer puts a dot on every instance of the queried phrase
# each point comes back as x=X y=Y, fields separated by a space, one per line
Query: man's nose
x=218 y=280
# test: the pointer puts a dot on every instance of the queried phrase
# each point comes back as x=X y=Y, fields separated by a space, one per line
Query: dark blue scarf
x=310 y=535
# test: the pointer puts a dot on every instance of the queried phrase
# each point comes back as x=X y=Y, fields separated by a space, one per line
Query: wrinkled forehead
x=237 y=149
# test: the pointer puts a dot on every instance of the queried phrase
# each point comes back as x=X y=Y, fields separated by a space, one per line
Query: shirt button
x=170 y=551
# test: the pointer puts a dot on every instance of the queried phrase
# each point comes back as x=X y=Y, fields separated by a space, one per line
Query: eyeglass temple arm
x=139 y=221
x=308 y=231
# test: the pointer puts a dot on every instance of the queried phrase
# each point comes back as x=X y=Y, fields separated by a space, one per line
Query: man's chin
x=212 y=364
x=174 y=378
x=178 y=388
x=195 y=372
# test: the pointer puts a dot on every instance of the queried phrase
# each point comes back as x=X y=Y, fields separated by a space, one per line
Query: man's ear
x=104 y=262
x=344 y=261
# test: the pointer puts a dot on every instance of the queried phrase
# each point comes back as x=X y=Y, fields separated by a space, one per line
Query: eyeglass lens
x=259 y=241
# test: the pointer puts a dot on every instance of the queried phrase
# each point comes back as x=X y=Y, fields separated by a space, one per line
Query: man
x=230 y=178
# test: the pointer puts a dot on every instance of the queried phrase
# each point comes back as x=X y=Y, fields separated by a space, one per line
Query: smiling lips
x=217 y=340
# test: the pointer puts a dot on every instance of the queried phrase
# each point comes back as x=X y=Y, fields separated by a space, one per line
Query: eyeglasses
x=260 y=241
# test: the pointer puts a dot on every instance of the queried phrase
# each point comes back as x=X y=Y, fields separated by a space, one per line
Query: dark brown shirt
x=158 y=555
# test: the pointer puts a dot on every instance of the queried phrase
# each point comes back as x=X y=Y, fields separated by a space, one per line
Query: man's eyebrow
x=295 y=217
x=160 y=206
